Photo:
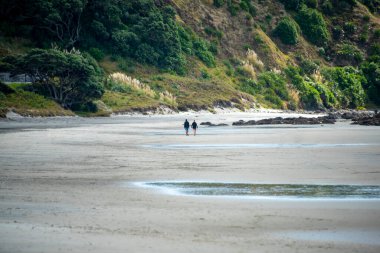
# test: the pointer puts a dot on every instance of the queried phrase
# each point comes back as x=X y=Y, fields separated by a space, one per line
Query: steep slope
x=198 y=54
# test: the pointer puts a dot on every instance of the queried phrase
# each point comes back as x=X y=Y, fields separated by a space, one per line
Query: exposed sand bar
x=68 y=185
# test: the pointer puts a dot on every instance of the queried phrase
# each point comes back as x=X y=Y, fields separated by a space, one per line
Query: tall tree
x=61 y=18
x=68 y=77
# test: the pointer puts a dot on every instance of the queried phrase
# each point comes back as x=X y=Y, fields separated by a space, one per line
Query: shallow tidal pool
x=270 y=190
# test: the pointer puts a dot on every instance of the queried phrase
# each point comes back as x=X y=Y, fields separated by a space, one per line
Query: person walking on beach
x=194 y=126
x=186 y=125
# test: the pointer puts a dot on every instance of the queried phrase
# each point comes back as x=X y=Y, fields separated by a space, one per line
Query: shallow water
x=271 y=190
x=369 y=237
x=255 y=145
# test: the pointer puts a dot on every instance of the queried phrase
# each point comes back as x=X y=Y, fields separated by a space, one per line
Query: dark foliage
x=145 y=30
x=313 y=26
x=68 y=77
x=288 y=31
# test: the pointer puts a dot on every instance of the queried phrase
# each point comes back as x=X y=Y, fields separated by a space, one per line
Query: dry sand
x=67 y=185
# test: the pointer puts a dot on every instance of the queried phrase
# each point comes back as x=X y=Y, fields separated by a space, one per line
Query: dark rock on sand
x=291 y=121
x=350 y=114
x=368 y=121
x=211 y=124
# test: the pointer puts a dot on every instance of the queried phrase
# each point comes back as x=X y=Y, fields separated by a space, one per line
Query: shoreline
x=10 y=115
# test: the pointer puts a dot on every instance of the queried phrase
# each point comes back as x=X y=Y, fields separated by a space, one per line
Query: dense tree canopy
x=68 y=77
x=145 y=30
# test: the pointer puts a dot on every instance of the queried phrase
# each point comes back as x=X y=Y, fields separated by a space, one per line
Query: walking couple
x=194 y=126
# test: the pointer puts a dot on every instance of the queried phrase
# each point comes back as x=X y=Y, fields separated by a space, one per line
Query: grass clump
x=254 y=59
x=28 y=103
x=122 y=83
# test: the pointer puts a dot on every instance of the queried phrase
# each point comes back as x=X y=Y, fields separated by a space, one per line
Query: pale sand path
x=71 y=189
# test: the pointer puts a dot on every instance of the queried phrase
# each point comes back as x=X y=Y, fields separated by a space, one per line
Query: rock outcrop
x=212 y=125
x=350 y=114
x=368 y=120
x=290 y=121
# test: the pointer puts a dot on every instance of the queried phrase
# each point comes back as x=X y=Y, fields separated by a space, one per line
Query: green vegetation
x=350 y=52
x=288 y=31
x=348 y=83
x=313 y=26
x=68 y=77
x=218 y=3
x=185 y=56
x=14 y=97
x=148 y=34
x=373 y=5
x=292 y=4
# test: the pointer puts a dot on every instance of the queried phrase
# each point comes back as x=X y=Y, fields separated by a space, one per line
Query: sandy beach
x=71 y=185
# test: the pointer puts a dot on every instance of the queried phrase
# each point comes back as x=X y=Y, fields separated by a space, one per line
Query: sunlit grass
x=28 y=103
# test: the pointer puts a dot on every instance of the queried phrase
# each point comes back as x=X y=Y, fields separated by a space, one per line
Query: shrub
x=201 y=48
x=288 y=31
x=309 y=67
x=146 y=54
x=363 y=38
x=350 y=52
x=99 y=30
x=366 y=18
x=68 y=77
x=274 y=81
x=214 y=47
x=272 y=97
x=249 y=86
x=349 y=81
x=313 y=95
x=349 y=27
x=218 y=3
x=292 y=4
x=311 y=3
x=313 y=26
x=251 y=8
x=97 y=53
x=229 y=67
x=122 y=39
x=326 y=95
x=327 y=7
x=232 y=7
x=374 y=50
x=376 y=33
x=321 y=51
x=311 y=98
x=213 y=32
x=185 y=40
x=244 y=6
x=371 y=71
x=337 y=32
x=205 y=74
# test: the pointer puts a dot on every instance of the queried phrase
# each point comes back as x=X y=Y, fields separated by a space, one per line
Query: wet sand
x=69 y=185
